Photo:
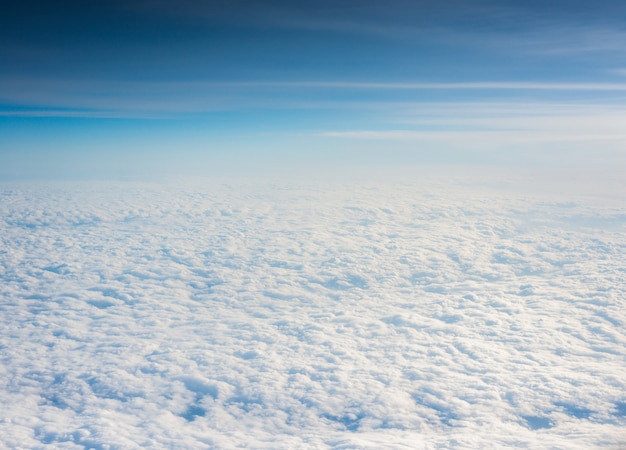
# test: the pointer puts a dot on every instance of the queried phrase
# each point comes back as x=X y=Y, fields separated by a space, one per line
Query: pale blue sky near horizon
x=139 y=88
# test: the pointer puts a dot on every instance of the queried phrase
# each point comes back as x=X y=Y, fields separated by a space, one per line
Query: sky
x=137 y=87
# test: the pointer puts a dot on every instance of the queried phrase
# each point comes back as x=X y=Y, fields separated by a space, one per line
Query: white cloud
x=331 y=316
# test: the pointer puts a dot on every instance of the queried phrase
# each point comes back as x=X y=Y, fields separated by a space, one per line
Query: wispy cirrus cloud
x=545 y=38
x=127 y=98
x=487 y=85
x=590 y=133
x=500 y=27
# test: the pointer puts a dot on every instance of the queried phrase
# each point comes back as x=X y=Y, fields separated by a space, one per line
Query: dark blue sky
x=146 y=86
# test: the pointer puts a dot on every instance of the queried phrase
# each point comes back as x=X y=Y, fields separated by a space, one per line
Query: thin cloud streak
x=488 y=85
x=79 y=85
x=128 y=85
x=566 y=119
x=588 y=134
x=510 y=136
x=551 y=38
x=132 y=99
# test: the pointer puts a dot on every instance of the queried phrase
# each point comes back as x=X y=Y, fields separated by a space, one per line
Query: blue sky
x=147 y=87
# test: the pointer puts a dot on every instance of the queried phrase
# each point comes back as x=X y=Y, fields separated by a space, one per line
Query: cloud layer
x=309 y=316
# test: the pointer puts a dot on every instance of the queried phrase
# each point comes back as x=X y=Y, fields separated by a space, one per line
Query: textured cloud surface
x=309 y=316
